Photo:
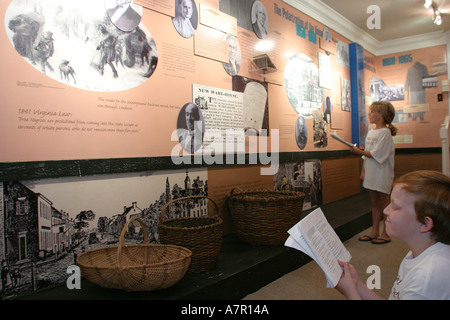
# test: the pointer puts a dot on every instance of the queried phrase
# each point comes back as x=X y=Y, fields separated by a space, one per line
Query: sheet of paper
x=296 y=241
x=325 y=244
x=304 y=247
x=320 y=225
x=335 y=136
x=314 y=236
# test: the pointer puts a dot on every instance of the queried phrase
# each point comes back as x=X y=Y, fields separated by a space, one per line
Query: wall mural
x=301 y=176
x=83 y=48
x=301 y=78
x=48 y=223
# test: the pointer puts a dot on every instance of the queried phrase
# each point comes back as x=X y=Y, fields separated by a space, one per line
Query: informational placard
x=222 y=109
x=162 y=6
x=217 y=19
x=211 y=43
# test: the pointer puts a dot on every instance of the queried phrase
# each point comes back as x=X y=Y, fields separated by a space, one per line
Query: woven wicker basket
x=264 y=216
x=142 y=267
x=202 y=235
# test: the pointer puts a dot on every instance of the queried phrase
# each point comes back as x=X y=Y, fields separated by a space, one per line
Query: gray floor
x=309 y=283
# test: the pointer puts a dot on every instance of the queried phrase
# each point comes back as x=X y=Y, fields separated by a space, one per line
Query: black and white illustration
x=190 y=127
x=260 y=23
x=414 y=89
x=79 y=47
x=301 y=132
x=400 y=117
x=376 y=86
x=342 y=54
x=233 y=65
x=124 y=14
x=414 y=84
x=391 y=93
x=327 y=108
x=186 y=18
x=303 y=176
x=320 y=130
x=346 y=97
x=439 y=68
x=327 y=34
x=430 y=82
x=45 y=224
x=301 y=78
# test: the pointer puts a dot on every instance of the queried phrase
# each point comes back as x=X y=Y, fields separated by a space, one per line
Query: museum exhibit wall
x=94 y=114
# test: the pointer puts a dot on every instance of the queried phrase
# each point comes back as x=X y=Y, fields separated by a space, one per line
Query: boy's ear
x=427 y=225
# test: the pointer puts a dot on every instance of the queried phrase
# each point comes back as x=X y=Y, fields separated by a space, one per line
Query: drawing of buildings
x=39 y=241
x=32 y=228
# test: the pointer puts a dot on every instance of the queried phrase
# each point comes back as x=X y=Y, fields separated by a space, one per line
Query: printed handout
x=314 y=236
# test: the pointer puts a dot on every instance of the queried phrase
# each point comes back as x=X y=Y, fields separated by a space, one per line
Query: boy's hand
x=348 y=282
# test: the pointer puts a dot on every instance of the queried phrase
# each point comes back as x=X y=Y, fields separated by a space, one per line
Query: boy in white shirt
x=419 y=214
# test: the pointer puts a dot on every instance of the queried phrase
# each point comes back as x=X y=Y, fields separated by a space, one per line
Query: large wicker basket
x=142 y=267
x=264 y=216
x=202 y=235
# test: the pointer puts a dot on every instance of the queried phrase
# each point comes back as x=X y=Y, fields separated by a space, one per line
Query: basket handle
x=161 y=216
x=235 y=191
x=122 y=237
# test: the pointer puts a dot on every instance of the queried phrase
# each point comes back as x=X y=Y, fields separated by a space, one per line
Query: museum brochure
x=314 y=236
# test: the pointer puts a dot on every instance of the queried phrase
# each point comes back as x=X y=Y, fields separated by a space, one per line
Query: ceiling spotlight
x=437 y=19
x=428 y=3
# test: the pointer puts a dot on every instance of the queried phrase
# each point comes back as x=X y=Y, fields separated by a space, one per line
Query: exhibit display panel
x=81 y=85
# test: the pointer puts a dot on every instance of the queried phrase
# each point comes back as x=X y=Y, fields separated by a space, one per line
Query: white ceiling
x=399 y=18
